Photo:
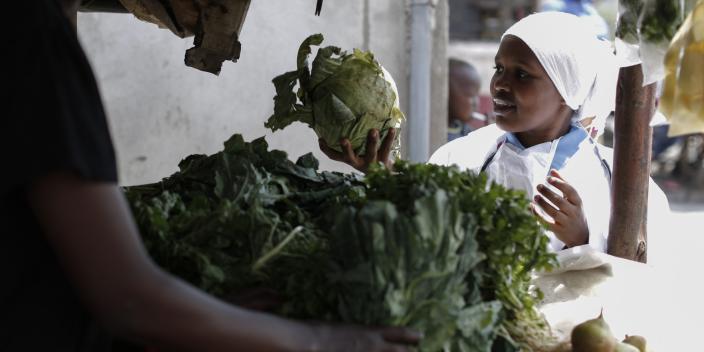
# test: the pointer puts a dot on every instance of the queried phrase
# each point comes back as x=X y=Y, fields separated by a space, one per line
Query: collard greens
x=425 y=246
x=648 y=21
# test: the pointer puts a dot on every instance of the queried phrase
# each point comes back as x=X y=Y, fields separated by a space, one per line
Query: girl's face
x=525 y=99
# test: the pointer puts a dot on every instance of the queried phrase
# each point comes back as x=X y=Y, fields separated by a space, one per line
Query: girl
x=553 y=87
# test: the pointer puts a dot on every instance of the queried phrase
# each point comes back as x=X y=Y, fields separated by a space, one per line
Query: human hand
x=372 y=155
x=358 y=339
x=567 y=220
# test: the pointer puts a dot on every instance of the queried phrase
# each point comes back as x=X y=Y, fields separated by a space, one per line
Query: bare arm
x=90 y=227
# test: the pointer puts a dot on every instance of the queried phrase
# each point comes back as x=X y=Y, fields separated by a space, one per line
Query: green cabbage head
x=341 y=96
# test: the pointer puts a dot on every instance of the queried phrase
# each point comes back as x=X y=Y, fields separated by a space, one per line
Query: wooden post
x=635 y=106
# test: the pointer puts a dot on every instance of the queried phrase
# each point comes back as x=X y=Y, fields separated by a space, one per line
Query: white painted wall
x=160 y=110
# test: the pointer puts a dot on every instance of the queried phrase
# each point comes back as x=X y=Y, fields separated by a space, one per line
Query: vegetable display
x=425 y=246
x=340 y=96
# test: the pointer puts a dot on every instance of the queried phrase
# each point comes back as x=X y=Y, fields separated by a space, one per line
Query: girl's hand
x=363 y=339
x=372 y=156
x=567 y=220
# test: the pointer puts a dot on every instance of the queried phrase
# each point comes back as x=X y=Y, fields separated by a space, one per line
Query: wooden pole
x=635 y=106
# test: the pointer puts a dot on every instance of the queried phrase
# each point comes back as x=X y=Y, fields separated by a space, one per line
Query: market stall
x=428 y=247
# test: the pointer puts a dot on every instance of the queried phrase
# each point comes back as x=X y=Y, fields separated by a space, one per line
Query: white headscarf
x=583 y=68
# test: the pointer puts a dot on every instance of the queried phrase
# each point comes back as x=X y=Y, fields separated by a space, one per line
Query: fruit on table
x=624 y=347
x=593 y=336
x=637 y=341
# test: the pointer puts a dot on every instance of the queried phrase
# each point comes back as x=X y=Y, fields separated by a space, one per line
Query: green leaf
x=425 y=246
x=308 y=161
x=304 y=52
x=286 y=110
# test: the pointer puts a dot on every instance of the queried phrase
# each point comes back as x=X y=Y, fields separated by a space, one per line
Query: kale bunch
x=243 y=217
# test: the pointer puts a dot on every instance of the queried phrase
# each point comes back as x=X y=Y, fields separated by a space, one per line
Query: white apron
x=525 y=169
x=581 y=165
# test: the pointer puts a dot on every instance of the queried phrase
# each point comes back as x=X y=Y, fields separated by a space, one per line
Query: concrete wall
x=161 y=111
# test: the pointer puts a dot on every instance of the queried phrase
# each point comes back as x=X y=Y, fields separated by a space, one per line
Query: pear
x=624 y=347
x=637 y=341
x=593 y=336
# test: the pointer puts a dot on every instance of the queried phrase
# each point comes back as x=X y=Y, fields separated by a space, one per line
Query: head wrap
x=582 y=67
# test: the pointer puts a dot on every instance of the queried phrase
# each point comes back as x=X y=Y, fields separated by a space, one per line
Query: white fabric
x=525 y=170
x=521 y=169
x=584 y=171
x=471 y=151
x=583 y=68
x=636 y=299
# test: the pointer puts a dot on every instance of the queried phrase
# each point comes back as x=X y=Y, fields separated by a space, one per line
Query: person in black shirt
x=71 y=261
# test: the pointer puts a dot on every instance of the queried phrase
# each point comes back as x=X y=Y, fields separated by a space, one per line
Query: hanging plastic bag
x=657 y=26
x=627 y=38
x=682 y=101
x=643 y=34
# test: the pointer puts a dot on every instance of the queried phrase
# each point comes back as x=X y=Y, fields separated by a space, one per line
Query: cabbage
x=342 y=96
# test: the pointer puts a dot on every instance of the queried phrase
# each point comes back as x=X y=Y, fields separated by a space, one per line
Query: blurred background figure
x=661 y=141
x=462 y=115
x=581 y=8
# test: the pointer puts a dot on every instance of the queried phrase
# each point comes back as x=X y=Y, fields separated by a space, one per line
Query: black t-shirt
x=53 y=121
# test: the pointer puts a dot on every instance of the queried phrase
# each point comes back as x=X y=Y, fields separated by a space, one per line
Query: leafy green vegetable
x=425 y=246
x=509 y=238
x=649 y=21
x=341 y=96
x=238 y=218
x=661 y=20
x=407 y=267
